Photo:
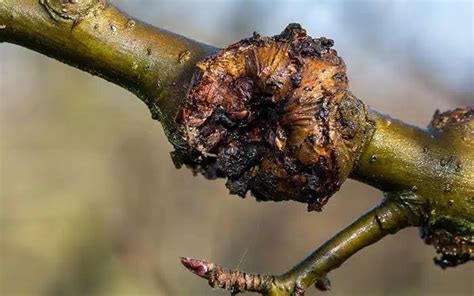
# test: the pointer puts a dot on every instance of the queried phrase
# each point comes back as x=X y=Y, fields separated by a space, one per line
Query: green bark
x=154 y=64
x=436 y=165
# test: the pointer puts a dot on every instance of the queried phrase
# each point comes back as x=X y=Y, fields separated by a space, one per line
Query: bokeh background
x=91 y=204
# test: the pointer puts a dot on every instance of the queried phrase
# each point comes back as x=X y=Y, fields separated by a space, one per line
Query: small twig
x=234 y=281
x=386 y=218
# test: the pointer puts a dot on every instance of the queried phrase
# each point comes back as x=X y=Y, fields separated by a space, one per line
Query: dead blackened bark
x=274 y=116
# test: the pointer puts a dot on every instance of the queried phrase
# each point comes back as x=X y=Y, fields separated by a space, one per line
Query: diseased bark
x=275 y=117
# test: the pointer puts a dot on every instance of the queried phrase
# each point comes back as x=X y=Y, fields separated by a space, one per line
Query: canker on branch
x=274 y=116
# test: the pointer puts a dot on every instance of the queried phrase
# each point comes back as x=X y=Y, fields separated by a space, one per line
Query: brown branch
x=275 y=117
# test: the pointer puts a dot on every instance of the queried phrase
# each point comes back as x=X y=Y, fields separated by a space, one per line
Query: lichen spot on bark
x=274 y=116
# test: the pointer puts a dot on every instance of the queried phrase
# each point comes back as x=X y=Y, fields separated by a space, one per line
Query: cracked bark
x=214 y=115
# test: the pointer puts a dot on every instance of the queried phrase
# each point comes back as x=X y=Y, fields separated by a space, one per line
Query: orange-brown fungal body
x=274 y=116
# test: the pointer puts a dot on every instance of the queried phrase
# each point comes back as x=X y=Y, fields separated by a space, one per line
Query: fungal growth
x=274 y=116
x=450 y=119
x=453 y=249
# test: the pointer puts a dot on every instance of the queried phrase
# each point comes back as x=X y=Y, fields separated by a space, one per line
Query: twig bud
x=235 y=281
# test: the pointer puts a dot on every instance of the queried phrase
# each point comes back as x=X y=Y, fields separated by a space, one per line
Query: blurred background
x=91 y=204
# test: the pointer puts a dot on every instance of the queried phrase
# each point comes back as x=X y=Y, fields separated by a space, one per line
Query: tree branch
x=94 y=36
x=275 y=117
x=436 y=164
x=387 y=218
